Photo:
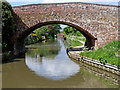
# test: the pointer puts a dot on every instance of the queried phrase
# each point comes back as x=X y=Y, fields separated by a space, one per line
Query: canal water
x=46 y=65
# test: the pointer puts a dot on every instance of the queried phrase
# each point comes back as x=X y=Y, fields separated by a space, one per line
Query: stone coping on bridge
x=107 y=67
x=67 y=3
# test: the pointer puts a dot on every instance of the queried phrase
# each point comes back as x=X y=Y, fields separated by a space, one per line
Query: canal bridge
x=98 y=23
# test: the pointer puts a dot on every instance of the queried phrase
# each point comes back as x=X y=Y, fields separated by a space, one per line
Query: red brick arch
x=98 y=23
x=90 y=39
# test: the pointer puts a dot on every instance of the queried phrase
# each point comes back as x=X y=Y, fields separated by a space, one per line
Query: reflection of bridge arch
x=92 y=20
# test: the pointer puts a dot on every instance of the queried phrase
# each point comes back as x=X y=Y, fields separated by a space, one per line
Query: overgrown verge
x=107 y=54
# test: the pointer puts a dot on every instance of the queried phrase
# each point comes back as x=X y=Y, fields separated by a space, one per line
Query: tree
x=7 y=26
x=48 y=31
x=51 y=32
x=56 y=28
x=78 y=33
x=71 y=31
x=66 y=30
x=42 y=31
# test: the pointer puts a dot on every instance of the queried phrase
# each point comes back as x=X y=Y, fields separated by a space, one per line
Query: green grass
x=81 y=38
x=75 y=40
x=74 y=43
x=105 y=54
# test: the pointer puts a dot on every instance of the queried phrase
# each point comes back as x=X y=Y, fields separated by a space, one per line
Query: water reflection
x=57 y=67
x=40 y=70
x=47 y=49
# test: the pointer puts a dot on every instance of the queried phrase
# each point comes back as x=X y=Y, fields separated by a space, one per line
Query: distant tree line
x=71 y=31
x=47 y=32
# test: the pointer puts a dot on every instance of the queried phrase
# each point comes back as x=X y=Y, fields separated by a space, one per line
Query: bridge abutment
x=90 y=43
x=96 y=45
x=19 y=48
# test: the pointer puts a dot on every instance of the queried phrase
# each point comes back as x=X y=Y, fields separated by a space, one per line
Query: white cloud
x=59 y=1
x=54 y=69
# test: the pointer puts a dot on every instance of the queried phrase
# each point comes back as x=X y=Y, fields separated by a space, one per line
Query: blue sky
x=24 y=2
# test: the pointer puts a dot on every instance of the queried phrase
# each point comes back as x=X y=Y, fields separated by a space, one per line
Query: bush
x=7 y=26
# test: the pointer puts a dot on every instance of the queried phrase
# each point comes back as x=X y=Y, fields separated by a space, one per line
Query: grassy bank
x=75 y=40
x=105 y=54
x=81 y=38
x=74 y=43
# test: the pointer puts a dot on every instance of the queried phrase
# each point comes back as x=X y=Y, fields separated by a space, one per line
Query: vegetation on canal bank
x=7 y=30
x=7 y=26
x=48 y=49
x=71 y=31
x=73 y=36
x=43 y=33
x=73 y=43
x=76 y=40
x=106 y=54
x=79 y=38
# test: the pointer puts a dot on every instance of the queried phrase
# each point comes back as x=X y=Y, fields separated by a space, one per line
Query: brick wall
x=96 y=21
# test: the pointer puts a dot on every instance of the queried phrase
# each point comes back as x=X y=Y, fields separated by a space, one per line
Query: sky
x=24 y=2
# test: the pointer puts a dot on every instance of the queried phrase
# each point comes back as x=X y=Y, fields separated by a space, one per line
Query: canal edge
x=95 y=63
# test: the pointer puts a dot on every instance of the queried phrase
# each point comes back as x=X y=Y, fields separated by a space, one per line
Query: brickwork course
x=98 y=23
